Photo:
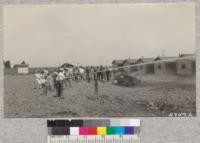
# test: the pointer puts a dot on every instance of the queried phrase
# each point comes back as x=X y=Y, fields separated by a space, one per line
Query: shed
x=22 y=68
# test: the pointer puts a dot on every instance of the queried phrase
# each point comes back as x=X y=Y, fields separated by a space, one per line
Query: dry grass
x=156 y=96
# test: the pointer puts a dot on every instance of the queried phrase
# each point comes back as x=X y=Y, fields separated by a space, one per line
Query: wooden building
x=165 y=67
x=22 y=68
x=129 y=62
x=149 y=68
x=186 y=67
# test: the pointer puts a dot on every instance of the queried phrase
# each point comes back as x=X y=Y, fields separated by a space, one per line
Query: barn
x=165 y=67
x=186 y=67
x=22 y=68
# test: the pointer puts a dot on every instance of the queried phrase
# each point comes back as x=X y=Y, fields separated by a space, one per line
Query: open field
x=156 y=96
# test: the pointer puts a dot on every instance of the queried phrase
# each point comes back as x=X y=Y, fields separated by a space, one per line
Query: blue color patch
x=129 y=130
x=119 y=130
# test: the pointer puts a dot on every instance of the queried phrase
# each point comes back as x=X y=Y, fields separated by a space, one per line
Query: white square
x=135 y=122
x=74 y=130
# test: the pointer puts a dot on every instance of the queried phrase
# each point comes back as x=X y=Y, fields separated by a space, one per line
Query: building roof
x=186 y=55
x=118 y=61
x=20 y=65
x=67 y=65
x=130 y=61
x=186 y=59
x=142 y=60
x=163 y=58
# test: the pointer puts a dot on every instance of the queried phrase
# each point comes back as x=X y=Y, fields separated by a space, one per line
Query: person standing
x=108 y=74
x=96 y=81
x=87 y=74
x=101 y=73
x=98 y=73
x=48 y=84
x=67 y=75
x=91 y=73
x=59 y=79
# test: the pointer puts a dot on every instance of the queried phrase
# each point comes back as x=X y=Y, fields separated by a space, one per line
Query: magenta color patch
x=83 y=130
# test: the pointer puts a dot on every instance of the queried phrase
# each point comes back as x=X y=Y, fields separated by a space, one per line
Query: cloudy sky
x=48 y=35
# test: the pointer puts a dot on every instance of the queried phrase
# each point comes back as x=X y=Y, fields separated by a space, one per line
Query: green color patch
x=110 y=130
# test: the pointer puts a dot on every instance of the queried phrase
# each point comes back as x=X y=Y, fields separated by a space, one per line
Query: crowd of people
x=61 y=78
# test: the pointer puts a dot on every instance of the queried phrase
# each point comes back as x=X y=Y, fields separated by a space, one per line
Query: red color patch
x=92 y=130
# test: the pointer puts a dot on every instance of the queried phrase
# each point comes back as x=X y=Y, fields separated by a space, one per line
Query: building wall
x=11 y=71
x=160 y=68
x=130 y=69
x=186 y=67
x=114 y=65
x=149 y=69
x=171 y=68
x=22 y=70
x=127 y=69
x=141 y=68
x=165 y=68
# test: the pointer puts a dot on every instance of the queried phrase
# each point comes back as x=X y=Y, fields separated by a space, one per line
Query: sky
x=93 y=34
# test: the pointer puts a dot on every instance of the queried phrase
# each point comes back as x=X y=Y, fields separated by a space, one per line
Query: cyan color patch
x=119 y=130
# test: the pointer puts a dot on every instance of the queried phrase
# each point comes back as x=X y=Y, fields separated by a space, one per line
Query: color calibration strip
x=93 y=127
x=119 y=130
x=94 y=131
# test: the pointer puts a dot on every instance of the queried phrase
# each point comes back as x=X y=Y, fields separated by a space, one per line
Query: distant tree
x=23 y=62
x=7 y=64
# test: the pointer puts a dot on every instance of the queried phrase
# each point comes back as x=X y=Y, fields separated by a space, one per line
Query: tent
x=67 y=65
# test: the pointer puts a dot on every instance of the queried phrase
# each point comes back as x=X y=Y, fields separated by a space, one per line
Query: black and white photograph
x=99 y=60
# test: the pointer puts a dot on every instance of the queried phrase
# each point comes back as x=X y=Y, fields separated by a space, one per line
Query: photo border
x=153 y=129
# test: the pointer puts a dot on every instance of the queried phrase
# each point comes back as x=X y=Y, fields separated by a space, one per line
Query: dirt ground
x=156 y=96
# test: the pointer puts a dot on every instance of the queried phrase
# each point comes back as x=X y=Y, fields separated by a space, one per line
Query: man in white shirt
x=60 y=76
x=59 y=79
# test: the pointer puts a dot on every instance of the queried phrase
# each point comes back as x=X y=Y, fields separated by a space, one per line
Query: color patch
x=60 y=131
x=74 y=130
x=119 y=130
x=83 y=130
x=101 y=130
x=92 y=130
x=96 y=123
x=129 y=130
x=76 y=123
x=134 y=123
x=115 y=122
x=110 y=130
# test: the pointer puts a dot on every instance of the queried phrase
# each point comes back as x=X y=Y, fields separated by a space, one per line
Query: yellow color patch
x=101 y=130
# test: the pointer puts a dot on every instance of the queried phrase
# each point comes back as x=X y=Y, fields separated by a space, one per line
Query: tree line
x=7 y=64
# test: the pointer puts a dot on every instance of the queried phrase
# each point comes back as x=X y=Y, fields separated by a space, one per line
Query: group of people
x=53 y=81
x=61 y=78
x=101 y=73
